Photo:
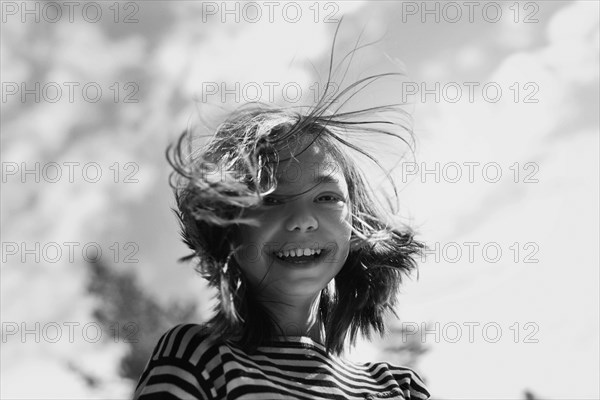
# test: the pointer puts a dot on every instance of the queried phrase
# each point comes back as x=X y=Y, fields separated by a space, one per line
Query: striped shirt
x=186 y=365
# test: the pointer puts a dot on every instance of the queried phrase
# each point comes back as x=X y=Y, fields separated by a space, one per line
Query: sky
x=511 y=213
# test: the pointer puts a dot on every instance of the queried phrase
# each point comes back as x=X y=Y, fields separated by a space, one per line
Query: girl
x=284 y=225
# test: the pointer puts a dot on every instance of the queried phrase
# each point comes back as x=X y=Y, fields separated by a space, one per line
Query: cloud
x=559 y=213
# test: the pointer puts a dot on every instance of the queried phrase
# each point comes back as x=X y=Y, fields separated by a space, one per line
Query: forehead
x=303 y=151
x=304 y=162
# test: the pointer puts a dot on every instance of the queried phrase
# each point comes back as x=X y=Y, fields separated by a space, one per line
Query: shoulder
x=397 y=380
x=177 y=366
x=411 y=384
x=185 y=342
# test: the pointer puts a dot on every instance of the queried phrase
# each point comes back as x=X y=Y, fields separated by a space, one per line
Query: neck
x=297 y=315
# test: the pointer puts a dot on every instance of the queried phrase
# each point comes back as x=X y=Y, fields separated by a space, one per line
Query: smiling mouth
x=303 y=259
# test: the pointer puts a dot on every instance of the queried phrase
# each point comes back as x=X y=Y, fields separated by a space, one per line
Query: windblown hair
x=213 y=185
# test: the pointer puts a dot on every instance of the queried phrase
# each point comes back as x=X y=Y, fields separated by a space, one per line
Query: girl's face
x=302 y=242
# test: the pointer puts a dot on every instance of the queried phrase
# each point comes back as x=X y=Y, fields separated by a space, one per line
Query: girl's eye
x=328 y=198
x=271 y=201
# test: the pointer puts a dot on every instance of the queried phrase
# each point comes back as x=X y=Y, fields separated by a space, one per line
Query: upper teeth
x=298 y=252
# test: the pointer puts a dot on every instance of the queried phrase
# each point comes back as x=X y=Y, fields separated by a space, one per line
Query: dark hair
x=215 y=183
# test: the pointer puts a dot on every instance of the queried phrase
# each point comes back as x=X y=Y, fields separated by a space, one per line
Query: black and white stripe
x=186 y=365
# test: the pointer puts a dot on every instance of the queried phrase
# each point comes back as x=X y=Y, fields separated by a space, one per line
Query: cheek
x=347 y=220
x=249 y=243
x=248 y=233
x=248 y=247
x=247 y=255
x=347 y=230
x=339 y=227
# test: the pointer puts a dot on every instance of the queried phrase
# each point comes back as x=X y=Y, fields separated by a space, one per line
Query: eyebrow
x=324 y=178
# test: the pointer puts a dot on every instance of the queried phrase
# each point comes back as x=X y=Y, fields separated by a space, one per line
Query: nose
x=302 y=220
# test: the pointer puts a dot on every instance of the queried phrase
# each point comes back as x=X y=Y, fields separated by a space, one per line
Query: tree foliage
x=132 y=315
